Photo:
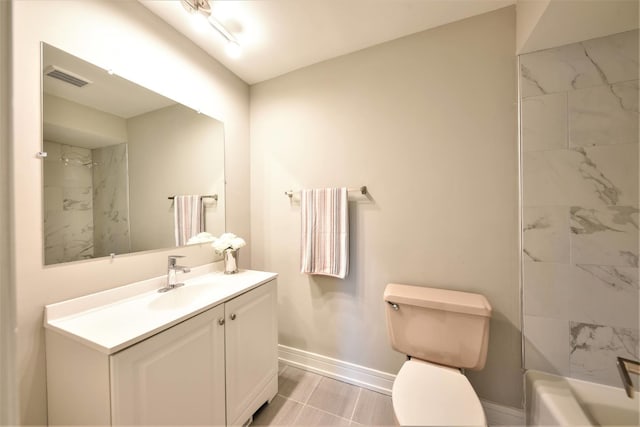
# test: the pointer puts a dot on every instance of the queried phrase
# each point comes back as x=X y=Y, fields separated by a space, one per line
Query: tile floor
x=308 y=399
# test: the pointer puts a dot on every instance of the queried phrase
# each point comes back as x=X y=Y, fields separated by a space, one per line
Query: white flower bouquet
x=227 y=241
x=203 y=237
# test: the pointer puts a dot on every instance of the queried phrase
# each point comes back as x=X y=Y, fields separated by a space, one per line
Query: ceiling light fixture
x=203 y=8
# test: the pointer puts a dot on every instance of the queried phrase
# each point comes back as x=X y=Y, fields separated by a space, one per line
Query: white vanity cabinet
x=215 y=367
x=251 y=347
x=175 y=377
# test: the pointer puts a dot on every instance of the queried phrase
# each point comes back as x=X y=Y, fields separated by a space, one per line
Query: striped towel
x=325 y=232
x=188 y=219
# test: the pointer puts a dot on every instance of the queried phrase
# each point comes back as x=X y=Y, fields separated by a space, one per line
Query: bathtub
x=558 y=401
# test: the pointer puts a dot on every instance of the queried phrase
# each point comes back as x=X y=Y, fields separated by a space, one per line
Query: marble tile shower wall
x=85 y=202
x=110 y=201
x=579 y=129
x=68 y=203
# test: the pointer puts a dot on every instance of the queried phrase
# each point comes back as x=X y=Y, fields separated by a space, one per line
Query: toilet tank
x=437 y=325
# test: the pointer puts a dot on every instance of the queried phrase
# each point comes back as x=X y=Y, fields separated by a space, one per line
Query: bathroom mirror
x=116 y=153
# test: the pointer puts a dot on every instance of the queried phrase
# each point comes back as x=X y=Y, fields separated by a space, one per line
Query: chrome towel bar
x=211 y=196
x=362 y=190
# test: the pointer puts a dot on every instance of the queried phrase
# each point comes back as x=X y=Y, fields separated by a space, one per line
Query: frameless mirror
x=117 y=154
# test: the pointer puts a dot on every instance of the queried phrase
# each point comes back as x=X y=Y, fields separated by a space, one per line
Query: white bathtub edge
x=555 y=400
x=550 y=401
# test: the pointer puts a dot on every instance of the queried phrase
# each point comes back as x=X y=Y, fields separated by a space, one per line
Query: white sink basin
x=181 y=297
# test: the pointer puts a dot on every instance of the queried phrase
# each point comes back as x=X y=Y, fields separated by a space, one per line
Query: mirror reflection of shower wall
x=85 y=182
x=86 y=213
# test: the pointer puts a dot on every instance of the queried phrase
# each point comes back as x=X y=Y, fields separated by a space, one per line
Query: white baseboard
x=379 y=381
x=337 y=369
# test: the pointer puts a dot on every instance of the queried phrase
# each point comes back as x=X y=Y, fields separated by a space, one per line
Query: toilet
x=441 y=332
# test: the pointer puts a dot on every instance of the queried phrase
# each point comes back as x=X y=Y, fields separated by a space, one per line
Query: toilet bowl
x=442 y=332
x=425 y=394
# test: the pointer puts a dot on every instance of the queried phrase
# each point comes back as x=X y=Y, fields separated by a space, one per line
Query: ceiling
x=279 y=36
x=589 y=19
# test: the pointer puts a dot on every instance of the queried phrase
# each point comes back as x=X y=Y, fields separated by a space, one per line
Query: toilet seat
x=426 y=394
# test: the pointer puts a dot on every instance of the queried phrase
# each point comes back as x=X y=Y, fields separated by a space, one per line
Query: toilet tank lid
x=438 y=299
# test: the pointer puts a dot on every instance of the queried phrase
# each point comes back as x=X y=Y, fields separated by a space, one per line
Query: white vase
x=231 y=261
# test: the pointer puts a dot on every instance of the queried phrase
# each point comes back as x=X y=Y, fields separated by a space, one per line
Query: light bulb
x=233 y=49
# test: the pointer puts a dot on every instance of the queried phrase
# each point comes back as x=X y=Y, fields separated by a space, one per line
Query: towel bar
x=362 y=190
x=212 y=196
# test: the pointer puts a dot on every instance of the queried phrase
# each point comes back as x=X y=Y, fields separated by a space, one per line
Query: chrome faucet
x=624 y=367
x=172 y=272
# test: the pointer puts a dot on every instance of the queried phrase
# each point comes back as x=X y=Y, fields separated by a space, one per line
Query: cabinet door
x=251 y=339
x=175 y=377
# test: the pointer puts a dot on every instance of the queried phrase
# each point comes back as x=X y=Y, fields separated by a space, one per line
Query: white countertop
x=115 y=319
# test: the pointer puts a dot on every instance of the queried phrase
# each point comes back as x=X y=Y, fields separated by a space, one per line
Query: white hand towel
x=325 y=232
x=188 y=218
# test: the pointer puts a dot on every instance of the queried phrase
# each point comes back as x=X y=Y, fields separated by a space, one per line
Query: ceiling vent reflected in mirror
x=66 y=76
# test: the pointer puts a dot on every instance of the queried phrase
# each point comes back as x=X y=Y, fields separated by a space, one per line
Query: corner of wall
x=8 y=403
x=528 y=14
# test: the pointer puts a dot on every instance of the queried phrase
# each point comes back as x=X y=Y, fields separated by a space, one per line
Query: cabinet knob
x=233 y=316
x=221 y=321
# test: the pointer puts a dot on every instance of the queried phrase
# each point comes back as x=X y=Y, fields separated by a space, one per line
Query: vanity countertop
x=115 y=319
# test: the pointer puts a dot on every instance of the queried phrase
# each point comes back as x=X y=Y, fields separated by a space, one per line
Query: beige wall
x=7 y=320
x=137 y=45
x=428 y=123
x=162 y=145
x=76 y=124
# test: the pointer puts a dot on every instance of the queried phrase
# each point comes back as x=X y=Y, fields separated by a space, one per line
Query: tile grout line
x=295 y=420
x=304 y=404
x=290 y=398
x=322 y=410
x=328 y=413
x=355 y=405
x=314 y=389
